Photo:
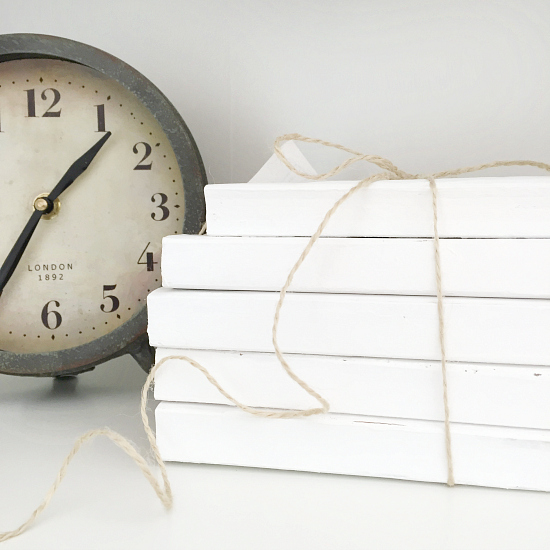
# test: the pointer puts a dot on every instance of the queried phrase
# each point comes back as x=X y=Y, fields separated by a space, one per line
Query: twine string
x=391 y=171
x=163 y=491
x=441 y=320
x=396 y=173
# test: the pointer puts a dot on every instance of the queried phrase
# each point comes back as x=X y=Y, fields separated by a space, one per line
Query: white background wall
x=431 y=84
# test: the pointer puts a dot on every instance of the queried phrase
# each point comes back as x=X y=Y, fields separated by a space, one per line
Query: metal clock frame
x=131 y=337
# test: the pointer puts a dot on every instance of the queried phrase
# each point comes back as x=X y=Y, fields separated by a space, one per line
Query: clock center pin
x=43 y=204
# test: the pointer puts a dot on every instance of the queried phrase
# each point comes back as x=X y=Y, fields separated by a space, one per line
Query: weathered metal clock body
x=77 y=294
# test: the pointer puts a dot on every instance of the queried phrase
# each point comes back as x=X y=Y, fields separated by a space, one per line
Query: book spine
x=508 y=268
x=499 y=395
x=509 y=458
x=485 y=330
x=509 y=207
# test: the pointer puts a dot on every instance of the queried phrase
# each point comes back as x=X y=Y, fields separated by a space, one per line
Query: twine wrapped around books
x=390 y=172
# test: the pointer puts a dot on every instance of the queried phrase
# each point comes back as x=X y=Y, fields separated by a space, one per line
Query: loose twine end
x=164 y=491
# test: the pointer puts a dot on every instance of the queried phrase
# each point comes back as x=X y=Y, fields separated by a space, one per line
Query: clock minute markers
x=44 y=205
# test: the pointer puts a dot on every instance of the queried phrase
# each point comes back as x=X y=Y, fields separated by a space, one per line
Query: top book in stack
x=482 y=208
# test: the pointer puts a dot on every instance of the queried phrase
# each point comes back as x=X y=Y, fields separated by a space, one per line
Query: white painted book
x=481 y=330
x=508 y=268
x=488 y=207
x=511 y=458
x=497 y=395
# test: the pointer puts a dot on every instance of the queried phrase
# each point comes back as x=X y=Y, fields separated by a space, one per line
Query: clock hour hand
x=77 y=168
x=44 y=206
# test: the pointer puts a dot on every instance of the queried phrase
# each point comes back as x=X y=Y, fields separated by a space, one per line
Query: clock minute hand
x=9 y=265
x=76 y=169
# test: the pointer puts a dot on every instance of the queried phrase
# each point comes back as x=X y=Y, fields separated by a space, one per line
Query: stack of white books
x=360 y=326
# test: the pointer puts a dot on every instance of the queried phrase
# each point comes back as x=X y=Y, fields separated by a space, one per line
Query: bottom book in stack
x=511 y=458
x=387 y=423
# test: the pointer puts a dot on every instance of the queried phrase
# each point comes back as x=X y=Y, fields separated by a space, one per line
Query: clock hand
x=44 y=206
x=7 y=269
x=76 y=169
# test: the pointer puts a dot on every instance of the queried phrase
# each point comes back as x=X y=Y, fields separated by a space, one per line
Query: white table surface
x=105 y=503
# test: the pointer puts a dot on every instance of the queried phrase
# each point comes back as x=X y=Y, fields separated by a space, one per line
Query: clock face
x=90 y=265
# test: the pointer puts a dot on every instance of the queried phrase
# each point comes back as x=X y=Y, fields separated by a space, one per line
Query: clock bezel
x=131 y=336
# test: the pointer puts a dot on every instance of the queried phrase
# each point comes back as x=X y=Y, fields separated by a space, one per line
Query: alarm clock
x=96 y=166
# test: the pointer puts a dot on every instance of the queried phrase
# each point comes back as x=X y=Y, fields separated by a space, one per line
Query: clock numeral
x=100 y=117
x=115 y=302
x=149 y=259
x=31 y=103
x=48 y=316
x=148 y=150
x=56 y=98
x=164 y=209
